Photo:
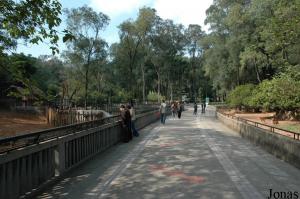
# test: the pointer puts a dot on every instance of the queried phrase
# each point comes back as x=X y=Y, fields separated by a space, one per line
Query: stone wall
x=281 y=146
x=34 y=167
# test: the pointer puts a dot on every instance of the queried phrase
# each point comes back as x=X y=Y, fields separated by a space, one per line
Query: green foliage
x=149 y=57
x=154 y=97
x=241 y=95
x=250 y=41
x=97 y=97
x=87 y=52
x=121 y=96
x=280 y=93
x=49 y=76
x=31 y=20
x=130 y=52
x=21 y=68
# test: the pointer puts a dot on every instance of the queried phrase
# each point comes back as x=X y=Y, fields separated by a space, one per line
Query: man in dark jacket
x=180 y=109
x=125 y=122
x=195 y=108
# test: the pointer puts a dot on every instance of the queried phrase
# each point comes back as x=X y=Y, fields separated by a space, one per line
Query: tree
x=88 y=48
x=49 y=76
x=280 y=94
x=145 y=23
x=31 y=20
x=167 y=40
x=22 y=70
x=193 y=35
x=133 y=41
x=240 y=97
x=250 y=41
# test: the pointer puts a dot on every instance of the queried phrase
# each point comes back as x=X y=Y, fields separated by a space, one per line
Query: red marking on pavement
x=174 y=173
x=194 y=179
x=166 y=145
x=169 y=144
x=177 y=173
x=157 y=167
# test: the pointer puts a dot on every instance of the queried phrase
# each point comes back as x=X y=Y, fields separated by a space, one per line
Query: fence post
x=59 y=158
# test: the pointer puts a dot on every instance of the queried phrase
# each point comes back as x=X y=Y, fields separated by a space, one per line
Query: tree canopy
x=249 y=55
x=30 y=20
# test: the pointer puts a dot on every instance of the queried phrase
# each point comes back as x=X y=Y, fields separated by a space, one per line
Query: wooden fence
x=56 y=117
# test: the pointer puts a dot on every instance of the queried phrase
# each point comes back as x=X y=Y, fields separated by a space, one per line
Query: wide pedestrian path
x=191 y=157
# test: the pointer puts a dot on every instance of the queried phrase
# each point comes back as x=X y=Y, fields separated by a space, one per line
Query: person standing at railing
x=133 y=118
x=125 y=121
x=128 y=118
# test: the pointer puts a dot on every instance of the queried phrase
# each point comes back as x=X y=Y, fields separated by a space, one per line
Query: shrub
x=280 y=93
x=121 y=95
x=153 y=96
x=241 y=96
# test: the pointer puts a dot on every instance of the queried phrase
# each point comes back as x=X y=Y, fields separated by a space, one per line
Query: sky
x=180 y=11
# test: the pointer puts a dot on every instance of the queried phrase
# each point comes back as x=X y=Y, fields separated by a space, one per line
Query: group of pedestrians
x=203 y=106
x=128 y=118
x=176 y=109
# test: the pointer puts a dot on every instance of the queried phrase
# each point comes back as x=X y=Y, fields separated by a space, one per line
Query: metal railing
x=26 y=139
x=273 y=129
x=15 y=142
x=51 y=153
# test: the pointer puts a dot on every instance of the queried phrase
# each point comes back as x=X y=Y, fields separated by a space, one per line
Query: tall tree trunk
x=193 y=76
x=257 y=72
x=86 y=86
x=171 y=89
x=143 y=79
x=71 y=98
x=131 y=82
x=158 y=86
x=86 y=76
x=158 y=81
x=238 y=75
x=63 y=97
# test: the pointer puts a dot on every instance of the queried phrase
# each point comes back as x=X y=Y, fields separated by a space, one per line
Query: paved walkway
x=194 y=157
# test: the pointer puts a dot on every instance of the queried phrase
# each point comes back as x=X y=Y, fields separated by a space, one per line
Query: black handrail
x=296 y=135
x=11 y=143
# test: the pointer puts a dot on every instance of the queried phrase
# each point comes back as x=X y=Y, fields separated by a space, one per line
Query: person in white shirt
x=133 y=118
x=162 y=111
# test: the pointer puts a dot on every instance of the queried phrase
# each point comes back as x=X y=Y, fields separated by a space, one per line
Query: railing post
x=59 y=158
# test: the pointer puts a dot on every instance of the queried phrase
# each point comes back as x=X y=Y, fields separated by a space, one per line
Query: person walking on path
x=174 y=110
x=133 y=118
x=180 y=109
x=162 y=111
x=203 y=106
x=195 y=108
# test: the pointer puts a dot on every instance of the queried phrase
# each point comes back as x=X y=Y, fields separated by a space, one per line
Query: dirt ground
x=287 y=125
x=16 y=123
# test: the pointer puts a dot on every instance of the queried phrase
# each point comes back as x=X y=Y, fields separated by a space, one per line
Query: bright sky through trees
x=185 y=12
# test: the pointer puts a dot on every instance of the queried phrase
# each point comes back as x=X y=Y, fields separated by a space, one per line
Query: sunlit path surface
x=191 y=157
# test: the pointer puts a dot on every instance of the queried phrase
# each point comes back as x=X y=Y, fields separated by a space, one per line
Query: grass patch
x=291 y=127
